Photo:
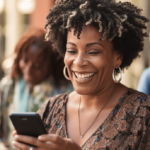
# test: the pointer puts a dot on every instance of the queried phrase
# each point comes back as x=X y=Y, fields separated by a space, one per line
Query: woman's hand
x=44 y=142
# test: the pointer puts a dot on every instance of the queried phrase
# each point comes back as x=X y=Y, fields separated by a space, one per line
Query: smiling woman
x=98 y=39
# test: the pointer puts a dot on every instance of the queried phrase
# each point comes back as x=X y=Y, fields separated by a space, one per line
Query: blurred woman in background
x=36 y=74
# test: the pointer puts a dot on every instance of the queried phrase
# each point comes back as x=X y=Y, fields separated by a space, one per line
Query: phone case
x=28 y=124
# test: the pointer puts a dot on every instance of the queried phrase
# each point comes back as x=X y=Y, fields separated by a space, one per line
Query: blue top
x=144 y=83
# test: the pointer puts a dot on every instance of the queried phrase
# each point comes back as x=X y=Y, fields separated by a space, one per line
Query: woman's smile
x=83 y=77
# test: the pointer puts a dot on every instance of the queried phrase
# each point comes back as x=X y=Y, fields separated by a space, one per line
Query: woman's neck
x=99 y=99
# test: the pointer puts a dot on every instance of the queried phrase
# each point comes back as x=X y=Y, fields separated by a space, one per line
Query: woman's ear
x=118 y=60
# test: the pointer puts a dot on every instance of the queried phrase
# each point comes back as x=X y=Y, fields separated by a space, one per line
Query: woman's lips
x=83 y=77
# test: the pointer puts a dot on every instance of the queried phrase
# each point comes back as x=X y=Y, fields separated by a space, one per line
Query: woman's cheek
x=67 y=60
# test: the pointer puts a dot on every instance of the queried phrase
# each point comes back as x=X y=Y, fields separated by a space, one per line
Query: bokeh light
x=26 y=6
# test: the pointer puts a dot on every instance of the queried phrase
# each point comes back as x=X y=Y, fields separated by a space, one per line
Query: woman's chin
x=83 y=91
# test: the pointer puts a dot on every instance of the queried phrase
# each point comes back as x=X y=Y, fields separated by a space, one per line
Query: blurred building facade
x=132 y=74
x=16 y=16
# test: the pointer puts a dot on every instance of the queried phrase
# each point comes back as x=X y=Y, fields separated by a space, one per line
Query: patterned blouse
x=127 y=127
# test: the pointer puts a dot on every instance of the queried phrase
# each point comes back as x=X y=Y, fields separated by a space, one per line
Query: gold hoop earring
x=113 y=75
x=64 y=72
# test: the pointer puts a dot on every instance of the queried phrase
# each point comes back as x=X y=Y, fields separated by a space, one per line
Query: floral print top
x=127 y=127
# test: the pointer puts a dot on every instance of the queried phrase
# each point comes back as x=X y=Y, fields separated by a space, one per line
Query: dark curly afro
x=120 y=22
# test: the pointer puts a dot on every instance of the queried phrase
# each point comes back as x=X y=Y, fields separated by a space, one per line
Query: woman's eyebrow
x=89 y=44
x=71 y=43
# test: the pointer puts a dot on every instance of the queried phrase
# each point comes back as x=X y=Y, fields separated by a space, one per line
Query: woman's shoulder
x=60 y=98
x=137 y=95
x=136 y=102
x=53 y=103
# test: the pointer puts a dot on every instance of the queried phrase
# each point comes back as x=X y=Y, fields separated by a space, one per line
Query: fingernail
x=40 y=137
x=16 y=136
x=13 y=142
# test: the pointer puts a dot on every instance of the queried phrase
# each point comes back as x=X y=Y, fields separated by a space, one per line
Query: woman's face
x=89 y=61
x=34 y=69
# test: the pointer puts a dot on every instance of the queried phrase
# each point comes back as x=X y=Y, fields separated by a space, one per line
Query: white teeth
x=83 y=76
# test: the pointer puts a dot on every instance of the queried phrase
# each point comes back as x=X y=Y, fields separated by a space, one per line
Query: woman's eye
x=94 y=52
x=71 y=51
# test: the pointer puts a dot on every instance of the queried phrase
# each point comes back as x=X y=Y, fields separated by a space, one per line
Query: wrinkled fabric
x=127 y=127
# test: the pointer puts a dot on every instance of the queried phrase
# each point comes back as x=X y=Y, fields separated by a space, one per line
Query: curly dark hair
x=35 y=36
x=120 y=22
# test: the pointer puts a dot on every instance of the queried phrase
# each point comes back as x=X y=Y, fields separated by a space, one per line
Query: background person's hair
x=34 y=37
x=120 y=22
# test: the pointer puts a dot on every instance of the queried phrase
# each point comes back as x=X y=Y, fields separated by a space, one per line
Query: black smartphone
x=28 y=123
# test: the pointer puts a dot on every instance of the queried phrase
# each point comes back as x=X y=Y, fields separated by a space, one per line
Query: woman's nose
x=80 y=60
